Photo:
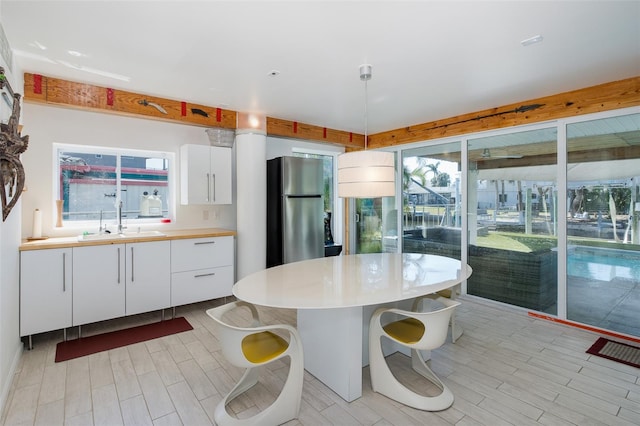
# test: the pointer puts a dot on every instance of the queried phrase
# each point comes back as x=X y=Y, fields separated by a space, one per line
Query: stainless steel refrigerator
x=295 y=210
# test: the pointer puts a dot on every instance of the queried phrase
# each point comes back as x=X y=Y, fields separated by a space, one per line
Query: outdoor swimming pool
x=603 y=264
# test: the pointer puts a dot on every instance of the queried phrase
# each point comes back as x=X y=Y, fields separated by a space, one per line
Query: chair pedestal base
x=418 y=331
x=387 y=385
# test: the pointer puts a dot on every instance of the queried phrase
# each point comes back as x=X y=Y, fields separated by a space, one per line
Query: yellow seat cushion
x=262 y=347
x=408 y=330
x=445 y=293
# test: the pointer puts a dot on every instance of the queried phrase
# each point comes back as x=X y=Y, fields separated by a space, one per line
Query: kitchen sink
x=99 y=237
x=143 y=234
x=125 y=235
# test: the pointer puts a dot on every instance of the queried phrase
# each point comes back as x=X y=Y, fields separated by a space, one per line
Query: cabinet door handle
x=204 y=242
x=214 y=187
x=118 y=265
x=208 y=188
x=204 y=275
x=132 y=265
x=64 y=272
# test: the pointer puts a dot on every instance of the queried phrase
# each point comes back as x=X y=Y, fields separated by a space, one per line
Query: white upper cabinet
x=205 y=174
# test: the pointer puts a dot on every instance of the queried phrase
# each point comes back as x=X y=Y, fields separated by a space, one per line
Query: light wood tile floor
x=507 y=369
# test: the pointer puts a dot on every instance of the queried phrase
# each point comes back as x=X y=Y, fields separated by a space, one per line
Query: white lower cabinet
x=202 y=269
x=204 y=284
x=99 y=283
x=148 y=277
x=45 y=290
x=122 y=279
x=65 y=287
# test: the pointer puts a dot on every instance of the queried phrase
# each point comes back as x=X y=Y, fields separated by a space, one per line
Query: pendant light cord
x=366 y=114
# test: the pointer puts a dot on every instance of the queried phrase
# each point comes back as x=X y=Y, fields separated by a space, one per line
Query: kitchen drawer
x=205 y=284
x=201 y=253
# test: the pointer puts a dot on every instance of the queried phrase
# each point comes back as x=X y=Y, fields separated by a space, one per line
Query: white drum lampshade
x=366 y=174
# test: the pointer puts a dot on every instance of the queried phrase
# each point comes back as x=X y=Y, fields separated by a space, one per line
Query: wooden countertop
x=64 y=242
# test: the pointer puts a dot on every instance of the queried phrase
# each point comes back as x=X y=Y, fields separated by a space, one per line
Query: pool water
x=603 y=264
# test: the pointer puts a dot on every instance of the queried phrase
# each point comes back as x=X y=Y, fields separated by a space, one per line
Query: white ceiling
x=431 y=59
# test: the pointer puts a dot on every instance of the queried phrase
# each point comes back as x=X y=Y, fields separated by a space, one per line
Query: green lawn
x=516 y=242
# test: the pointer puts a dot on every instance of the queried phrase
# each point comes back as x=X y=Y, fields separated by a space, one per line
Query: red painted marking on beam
x=324 y=132
x=109 y=96
x=583 y=326
x=218 y=115
x=295 y=127
x=37 y=84
x=183 y=109
x=350 y=137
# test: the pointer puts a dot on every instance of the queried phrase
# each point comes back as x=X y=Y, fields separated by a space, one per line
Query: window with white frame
x=93 y=182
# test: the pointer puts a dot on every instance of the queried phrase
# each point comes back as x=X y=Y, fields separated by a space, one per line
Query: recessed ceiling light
x=35 y=56
x=531 y=40
x=273 y=73
x=95 y=71
x=39 y=45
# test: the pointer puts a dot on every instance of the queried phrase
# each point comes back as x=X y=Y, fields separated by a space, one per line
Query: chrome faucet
x=100 y=229
x=119 y=214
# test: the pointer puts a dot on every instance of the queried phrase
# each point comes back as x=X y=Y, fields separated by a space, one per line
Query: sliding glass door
x=519 y=214
x=512 y=211
x=603 y=232
x=432 y=199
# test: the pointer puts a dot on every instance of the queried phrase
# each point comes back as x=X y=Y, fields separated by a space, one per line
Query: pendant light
x=366 y=174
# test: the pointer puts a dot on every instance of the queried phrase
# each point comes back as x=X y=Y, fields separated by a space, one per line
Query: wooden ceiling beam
x=54 y=91
x=604 y=97
x=293 y=129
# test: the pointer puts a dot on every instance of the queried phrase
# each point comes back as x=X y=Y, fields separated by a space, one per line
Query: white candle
x=36 y=231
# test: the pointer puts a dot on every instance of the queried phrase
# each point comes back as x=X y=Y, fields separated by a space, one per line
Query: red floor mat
x=116 y=339
x=616 y=351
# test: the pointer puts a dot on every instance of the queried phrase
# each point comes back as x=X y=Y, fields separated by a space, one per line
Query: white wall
x=10 y=345
x=47 y=125
x=251 y=203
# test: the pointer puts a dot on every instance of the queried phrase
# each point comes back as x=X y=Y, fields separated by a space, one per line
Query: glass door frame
x=561 y=166
x=562 y=202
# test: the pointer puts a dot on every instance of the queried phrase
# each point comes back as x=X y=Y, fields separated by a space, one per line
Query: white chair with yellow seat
x=450 y=293
x=419 y=331
x=252 y=347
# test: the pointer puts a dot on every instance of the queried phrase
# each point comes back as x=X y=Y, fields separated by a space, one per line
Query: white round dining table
x=334 y=298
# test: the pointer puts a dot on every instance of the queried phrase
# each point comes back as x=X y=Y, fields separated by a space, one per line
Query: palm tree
x=433 y=168
x=419 y=174
x=443 y=179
